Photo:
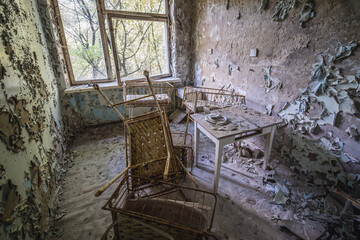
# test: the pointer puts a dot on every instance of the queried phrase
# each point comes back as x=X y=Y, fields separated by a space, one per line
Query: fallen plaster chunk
x=306 y=229
x=177 y=116
x=280 y=197
x=347 y=105
x=307 y=12
x=271 y=82
x=337 y=145
x=353 y=132
x=315 y=130
x=346 y=158
x=343 y=51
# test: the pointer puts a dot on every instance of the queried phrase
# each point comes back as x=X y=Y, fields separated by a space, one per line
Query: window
x=114 y=40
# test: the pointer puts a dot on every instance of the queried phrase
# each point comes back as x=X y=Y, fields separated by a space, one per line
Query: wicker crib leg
x=187 y=125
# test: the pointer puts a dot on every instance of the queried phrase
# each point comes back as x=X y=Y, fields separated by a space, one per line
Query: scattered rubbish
x=281 y=9
x=217 y=119
x=354 y=202
x=309 y=196
x=345 y=157
x=219 y=122
x=353 y=132
x=257 y=153
x=177 y=116
x=305 y=229
x=307 y=12
x=284 y=189
x=246 y=152
x=270 y=82
x=343 y=51
x=280 y=197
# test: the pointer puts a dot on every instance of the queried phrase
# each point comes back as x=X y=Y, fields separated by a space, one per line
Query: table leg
x=196 y=145
x=268 y=145
x=218 y=158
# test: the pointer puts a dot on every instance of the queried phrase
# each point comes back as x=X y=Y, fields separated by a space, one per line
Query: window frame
x=107 y=15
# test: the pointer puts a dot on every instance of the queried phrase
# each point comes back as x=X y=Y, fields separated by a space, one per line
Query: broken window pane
x=141 y=45
x=81 y=27
x=148 y=6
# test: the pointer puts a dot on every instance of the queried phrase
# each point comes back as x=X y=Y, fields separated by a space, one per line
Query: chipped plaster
x=221 y=38
x=31 y=143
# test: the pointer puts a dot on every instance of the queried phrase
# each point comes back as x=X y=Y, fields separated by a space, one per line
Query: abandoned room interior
x=180 y=119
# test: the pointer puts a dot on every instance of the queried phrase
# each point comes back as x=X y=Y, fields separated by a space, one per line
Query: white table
x=250 y=123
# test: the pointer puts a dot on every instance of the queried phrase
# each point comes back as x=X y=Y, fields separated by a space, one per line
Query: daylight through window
x=109 y=40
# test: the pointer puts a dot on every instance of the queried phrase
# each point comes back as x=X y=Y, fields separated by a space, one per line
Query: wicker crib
x=140 y=90
x=196 y=98
x=159 y=210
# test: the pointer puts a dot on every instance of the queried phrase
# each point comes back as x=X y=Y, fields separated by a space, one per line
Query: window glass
x=148 y=6
x=141 y=45
x=81 y=26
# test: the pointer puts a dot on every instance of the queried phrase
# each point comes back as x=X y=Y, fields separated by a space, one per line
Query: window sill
x=112 y=85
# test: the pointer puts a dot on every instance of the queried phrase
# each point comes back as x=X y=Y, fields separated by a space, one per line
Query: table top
x=246 y=119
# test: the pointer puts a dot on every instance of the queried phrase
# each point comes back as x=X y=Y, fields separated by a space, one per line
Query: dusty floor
x=245 y=207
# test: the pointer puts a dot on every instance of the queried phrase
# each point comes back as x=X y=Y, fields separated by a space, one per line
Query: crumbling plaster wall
x=181 y=21
x=31 y=140
x=225 y=31
x=92 y=109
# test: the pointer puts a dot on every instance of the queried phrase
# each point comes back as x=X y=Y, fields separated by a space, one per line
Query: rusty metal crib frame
x=135 y=89
x=190 y=215
x=184 y=148
x=165 y=131
x=194 y=97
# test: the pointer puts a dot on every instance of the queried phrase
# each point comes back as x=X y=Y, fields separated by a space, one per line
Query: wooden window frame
x=104 y=14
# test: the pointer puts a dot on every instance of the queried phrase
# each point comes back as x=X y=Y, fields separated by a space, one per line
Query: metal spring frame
x=162 y=192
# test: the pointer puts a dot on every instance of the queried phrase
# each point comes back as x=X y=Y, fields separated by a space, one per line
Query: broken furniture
x=140 y=91
x=148 y=144
x=183 y=147
x=196 y=98
x=159 y=210
x=249 y=123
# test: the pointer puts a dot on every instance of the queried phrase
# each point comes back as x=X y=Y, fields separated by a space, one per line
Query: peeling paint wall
x=31 y=143
x=93 y=109
x=181 y=17
x=266 y=49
